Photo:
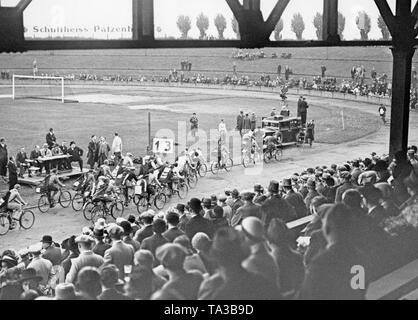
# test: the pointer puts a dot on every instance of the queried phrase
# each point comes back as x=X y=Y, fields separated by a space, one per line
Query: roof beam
x=23 y=4
x=236 y=7
x=387 y=15
x=276 y=14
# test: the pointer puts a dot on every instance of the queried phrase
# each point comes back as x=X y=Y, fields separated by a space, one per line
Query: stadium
x=84 y=104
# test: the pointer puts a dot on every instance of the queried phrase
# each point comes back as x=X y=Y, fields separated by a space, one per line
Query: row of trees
x=363 y=22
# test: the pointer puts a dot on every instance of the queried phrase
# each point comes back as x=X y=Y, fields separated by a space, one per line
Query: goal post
x=41 y=86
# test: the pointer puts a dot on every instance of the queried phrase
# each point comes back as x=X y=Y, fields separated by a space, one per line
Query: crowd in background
x=237 y=245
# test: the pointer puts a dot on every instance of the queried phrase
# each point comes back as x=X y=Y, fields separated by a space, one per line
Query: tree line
x=363 y=22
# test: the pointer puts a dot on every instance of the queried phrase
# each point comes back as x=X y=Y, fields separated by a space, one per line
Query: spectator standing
x=279 y=70
x=42 y=266
x=222 y=131
x=295 y=199
x=92 y=152
x=240 y=122
x=304 y=111
x=194 y=124
x=51 y=140
x=253 y=120
x=76 y=155
x=157 y=239
x=246 y=123
x=248 y=209
x=100 y=246
x=117 y=148
x=12 y=168
x=88 y=284
x=103 y=151
x=21 y=161
x=3 y=158
x=197 y=223
x=173 y=231
x=109 y=276
x=323 y=70
x=35 y=67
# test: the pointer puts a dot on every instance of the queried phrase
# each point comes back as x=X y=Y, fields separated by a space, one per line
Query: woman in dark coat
x=12 y=172
x=310 y=132
x=92 y=152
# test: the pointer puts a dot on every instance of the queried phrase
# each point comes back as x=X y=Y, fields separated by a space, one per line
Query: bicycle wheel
x=4 y=225
x=183 y=190
x=117 y=209
x=246 y=161
x=77 y=203
x=278 y=155
x=43 y=203
x=203 y=170
x=214 y=168
x=97 y=212
x=65 y=199
x=27 y=219
x=142 y=205
x=137 y=199
x=160 y=201
x=267 y=157
x=228 y=165
x=87 y=210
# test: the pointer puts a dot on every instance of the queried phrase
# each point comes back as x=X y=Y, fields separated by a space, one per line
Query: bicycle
x=191 y=176
x=272 y=153
x=216 y=166
x=103 y=209
x=64 y=199
x=249 y=158
x=202 y=169
x=26 y=220
x=182 y=190
x=158 y=199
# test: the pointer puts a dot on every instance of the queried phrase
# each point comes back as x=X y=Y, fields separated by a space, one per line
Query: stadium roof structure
x=255 y=33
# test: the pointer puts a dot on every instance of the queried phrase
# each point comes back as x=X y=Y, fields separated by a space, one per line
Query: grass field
x=213 y=62
x=26 y=122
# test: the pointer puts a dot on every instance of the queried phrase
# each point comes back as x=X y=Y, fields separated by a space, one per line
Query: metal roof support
x=143 y=20
x=330 y=21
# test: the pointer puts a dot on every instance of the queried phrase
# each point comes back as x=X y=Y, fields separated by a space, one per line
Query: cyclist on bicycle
x=129 y=180
x=223 y=153
x=106 y=191
x=13 y=201
x=87 y=185
x=175 y=177
x=151 y=183
x=196 y=156
x=52 y=185
x=250 y=145
x=272 y=142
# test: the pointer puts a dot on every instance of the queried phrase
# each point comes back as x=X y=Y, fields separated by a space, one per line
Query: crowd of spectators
x=238 y=245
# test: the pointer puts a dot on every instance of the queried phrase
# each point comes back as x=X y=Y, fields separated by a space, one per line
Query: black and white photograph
x=208 y=154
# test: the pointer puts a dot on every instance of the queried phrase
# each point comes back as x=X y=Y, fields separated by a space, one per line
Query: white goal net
x=38 y=87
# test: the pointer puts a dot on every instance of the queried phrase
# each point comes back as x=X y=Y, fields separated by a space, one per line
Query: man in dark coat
x=276 y=207
x=347 y=185
x=12 y=168
x=173 y=231
x=100 y=246
x=197 y=223
x=109 y=278
x=247 y=123
x=300 y=101
x=371 y=197
x=249 y=209
x=157 y=239
x=304 y=111
x=92 y=152
x=294 y=199
x=3 y=158
x=236 y=202
x=332 y=274
x=51 y=140
x=146 y=231
x=51 y=253
x=21 y=161
x=76 y=153
x=312 y=193
x=240 y=122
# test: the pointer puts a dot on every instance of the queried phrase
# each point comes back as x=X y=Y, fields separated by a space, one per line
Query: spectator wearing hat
x=192 y=262
x=289 y=261
x=197 y=223
x=147 y=219
x=248 y=209
x=240 y=122
x=29 y=281
x=276 y=207
x=109 y=277
x=328 y=190
x=259 y=197
x=65 y=291
x=71 y=253
x=127 y=238
x=316 y=223
x=134 y=225
x=157 y=239
x=381 y=168
x=42 y=266
x=173 y=231
x=260 y=261
x=88 y=285
x=76 y=154
x=329 y=275
x=219 y=220
x=181 y=284
x=236 y=202
x=87 y=258
x=100 y=247
x=145 y=259
x=29 y=295
x=346 y=184
x=400 y=169
x=295 y=199
x=207 y=209
x=202 y=244
x=183 y=216
x=3 y=159
x=227 y=210
x=312 y=193
x=232 y=281
x=51 y=253
x=120 y=254
x=387 y=201
x=371 y=200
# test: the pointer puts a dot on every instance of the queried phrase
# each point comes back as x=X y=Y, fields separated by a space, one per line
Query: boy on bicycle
x=52 y=185
x=223 y=153
x=152 y=181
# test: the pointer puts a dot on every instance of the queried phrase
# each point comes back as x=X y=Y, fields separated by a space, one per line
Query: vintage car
x=290 y=129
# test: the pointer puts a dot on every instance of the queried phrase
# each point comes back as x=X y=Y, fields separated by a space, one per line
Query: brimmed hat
x=29 y=274
x=274 y=186
x=201 y=241
x=65 y=291
x=253 y=228
x=195 y=205
x=247 y=195
x=235 y=193
x=47 y=239
x=84 y=239
x=126 y=226
x=345 y=175
x=207 y=202
x=342 y=168
x=12 y=261
x=181 y=207
x=171 y=255
x=98 y=232
x=258 y=187
x=287 y=183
